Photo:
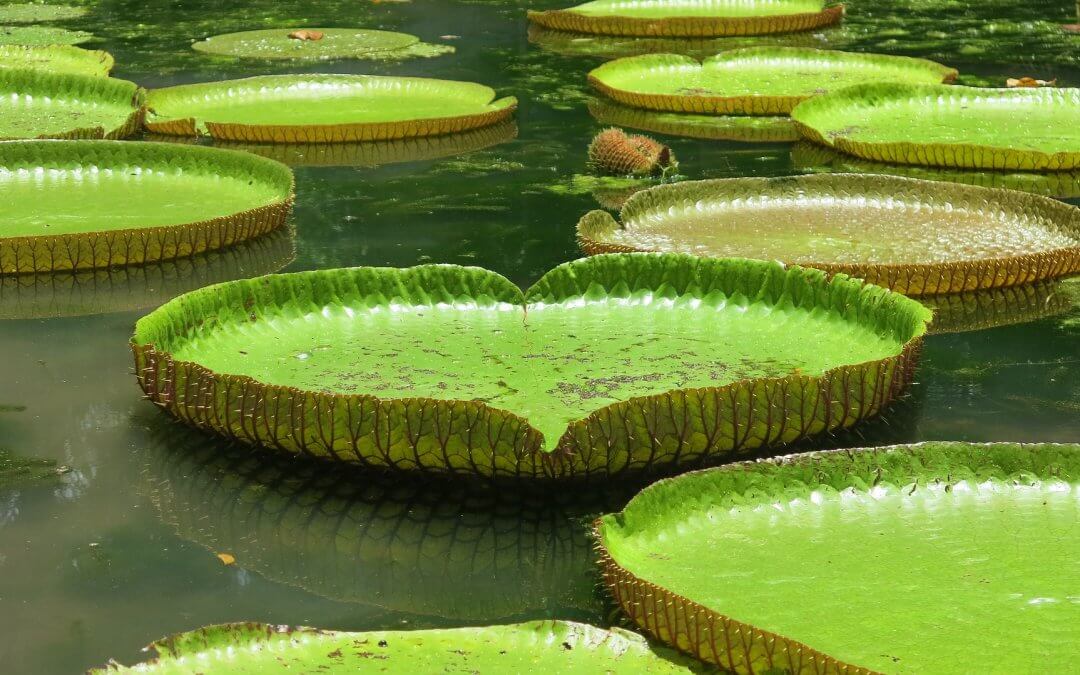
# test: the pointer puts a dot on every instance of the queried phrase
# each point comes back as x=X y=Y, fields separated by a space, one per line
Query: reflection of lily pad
x=915 y=237
x=42 y=35
x=335 y=43
x=751 y=81
x=814 y=158
x=77 y=205
x=539 y=646
x=610 y=364
x=938 y=557
x=1011 y=129
x=35 y=12
x=690 y=18
x=980 y=310
x=38 y=104
x=744 y=128
x=325 y=108
x=124 y=289
x=56 y=59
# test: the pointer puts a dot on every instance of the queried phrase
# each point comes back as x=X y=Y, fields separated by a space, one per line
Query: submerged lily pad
x=938 y=557
x=538 y=646
x=1006 y=129
x=324 y=108
x=915 y=237
x=620 y=363
x=38 y=104
x=746 y=129
x=335 y=43
x=56 y=59
x=690 y=18
x=42 y=35
x=751 y=81
x=36 y=12
x=76 y=205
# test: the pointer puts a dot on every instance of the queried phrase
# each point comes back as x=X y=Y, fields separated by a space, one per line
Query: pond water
x=121 y=549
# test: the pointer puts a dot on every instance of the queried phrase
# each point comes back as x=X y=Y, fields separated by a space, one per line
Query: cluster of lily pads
x=679 y=343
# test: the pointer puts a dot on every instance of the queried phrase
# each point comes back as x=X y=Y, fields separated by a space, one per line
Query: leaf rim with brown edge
x=120 y=93
x=489 y=111
x=68 y=59
x=741 y=104
x=697 y=425
x=808 y=118
x=688 y=26
x=87 y=250
x=710 y=635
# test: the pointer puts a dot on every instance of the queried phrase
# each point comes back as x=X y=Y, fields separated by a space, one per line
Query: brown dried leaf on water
x=306 y=35
x=226 y=558
x=1014 y=82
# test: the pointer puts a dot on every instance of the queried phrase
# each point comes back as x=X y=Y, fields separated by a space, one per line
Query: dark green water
x=120 y=548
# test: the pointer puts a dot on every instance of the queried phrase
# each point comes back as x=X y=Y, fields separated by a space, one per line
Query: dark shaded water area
x=120 y=548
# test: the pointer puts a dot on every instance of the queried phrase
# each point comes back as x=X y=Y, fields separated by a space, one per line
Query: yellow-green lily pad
x=332 y=43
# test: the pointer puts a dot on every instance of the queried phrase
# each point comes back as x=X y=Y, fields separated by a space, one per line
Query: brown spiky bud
x=614 y=153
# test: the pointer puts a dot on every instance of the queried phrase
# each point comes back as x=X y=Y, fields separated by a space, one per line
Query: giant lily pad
x=690 y=18
x=42 y=35
x=324 y=108
x=746 y=129
x=56 y=59
x=751 y=81
x=38 y=104
x=36 y=12
x=931 y=558
x=76 y=205
x=967 y=127
x=335 y=43
x=915 y=237
x=539 y=646
x=619 y=363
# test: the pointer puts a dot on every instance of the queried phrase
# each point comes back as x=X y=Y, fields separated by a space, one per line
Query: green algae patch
x=76 y=205
x=938 y=557
x=745 y=129
x=690 y=18
x=751 y=81
x=537 y=646
x=56 y=59
x=332 y=43
x=36 y=13
x=42 y=35
x=617 y=363
x=915 y=237
x=1018 y=129
x=39 y=104
x=324 y=108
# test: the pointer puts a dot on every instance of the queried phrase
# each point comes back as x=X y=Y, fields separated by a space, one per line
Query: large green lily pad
x=690 y=18
x=56 y=59
x=324 y=108
x=931 y=558
x=39 y=104
x=76 y=205
x=42 y=35
x=538 y=646
x=1006 y=129
x=912 y=236
x=618 y=363
x=335 y=43
x=751 y=81
x=744 y=128
x=36 y=12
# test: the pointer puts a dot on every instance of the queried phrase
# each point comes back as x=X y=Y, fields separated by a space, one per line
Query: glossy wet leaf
x=540 y=646
x=967 y=127
x=332 y=43
x=939 y=557
x=325 y=108
x=36 y=12
x=39 y=104
x=42 y=35
x=751 y=81
x=56 y=59
x=915 y=237
x=533 y=384
x=90 y=204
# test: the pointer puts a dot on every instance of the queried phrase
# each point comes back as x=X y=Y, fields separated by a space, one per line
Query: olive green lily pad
x=690 y=18
x=324 y=108
x=751 y=81
x=336 y=43
x=76 y=205
x=618 y=363
x=538 y=646
x=915 y=237
x=1005 y=129
x=996 y=307
x=42 y=35
x=35 y=12
x=930 y=558
x=39 y=104
x=56 y=59
x=746 y=129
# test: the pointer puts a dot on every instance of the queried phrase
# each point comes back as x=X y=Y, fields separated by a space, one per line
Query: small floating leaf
x=226 y=558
